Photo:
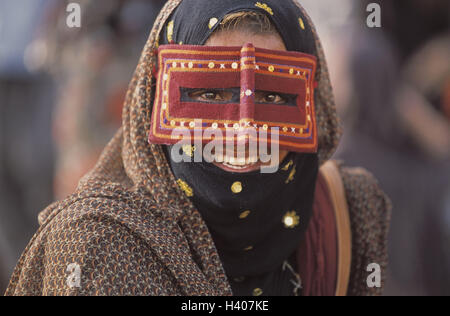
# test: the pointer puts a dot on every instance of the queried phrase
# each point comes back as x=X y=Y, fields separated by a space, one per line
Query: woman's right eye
x=211 y=95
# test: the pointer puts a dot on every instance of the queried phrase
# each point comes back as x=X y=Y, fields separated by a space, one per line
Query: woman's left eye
x=274 y=98
x=211 y=96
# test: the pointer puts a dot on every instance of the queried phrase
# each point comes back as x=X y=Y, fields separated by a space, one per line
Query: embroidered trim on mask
x=189 y=66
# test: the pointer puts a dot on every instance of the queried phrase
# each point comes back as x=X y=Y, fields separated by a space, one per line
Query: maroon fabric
x=247 y=67
x=317 y=254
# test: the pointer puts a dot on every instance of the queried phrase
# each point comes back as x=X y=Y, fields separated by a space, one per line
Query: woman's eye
x=274 y=98
x=211 y=96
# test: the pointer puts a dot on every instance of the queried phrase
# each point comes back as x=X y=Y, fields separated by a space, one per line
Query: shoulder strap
x=332 y=176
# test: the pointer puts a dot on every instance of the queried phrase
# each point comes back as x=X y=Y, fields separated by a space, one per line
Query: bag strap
x=332 y=176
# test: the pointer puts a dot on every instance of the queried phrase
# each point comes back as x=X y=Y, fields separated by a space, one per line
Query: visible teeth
x=234 y=167
x=235 y=163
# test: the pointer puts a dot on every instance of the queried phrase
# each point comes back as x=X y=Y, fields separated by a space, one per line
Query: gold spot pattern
x=212 y=22
x=291 y=220
x=257 y=292
x=244 y=215
x=265 y=7
x=236 y=187
x=291 y=175
x=302 y=24
x=288 y=165
x=189 y=150
x=170 y=28
x=186 y=188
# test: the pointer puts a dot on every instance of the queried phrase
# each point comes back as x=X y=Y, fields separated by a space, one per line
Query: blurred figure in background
x=26 y=150
x=91 y=67
x=401 y=132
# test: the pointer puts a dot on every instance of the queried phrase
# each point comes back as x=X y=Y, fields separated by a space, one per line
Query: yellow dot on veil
x=291 y=220
x=236 y=187
x=212 y=22
x=170 y=28
x=302 y=24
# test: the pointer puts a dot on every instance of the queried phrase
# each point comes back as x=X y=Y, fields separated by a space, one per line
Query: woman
x=142 y=224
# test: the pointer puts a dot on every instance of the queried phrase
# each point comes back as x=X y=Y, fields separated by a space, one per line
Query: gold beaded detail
x=185 y=188
x=302 y=24
x=257 y=292
x=244 y=215
x=291 y=220
x=236 y=187
x=189 y=150
x=212 y=22
x=291 y=175
x=170 y=28
x=265 y=7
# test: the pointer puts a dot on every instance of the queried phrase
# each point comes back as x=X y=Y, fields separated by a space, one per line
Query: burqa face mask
x=240 y=73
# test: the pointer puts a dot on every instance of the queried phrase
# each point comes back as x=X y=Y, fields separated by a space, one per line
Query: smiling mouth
x=239 y=165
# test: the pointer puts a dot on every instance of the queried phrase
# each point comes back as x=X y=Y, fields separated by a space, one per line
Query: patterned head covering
x=139 y=156
x=256 y=220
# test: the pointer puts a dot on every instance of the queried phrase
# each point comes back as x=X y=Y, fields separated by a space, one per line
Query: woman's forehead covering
x=194 y=21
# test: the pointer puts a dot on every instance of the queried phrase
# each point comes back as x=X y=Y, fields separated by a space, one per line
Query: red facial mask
x=235 y=88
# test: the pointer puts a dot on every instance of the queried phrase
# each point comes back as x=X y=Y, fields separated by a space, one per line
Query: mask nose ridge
x=248 y=66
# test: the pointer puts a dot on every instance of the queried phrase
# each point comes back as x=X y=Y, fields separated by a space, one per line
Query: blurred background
x=62 y=89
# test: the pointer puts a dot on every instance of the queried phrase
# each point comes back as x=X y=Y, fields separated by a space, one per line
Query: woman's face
x=266 y=41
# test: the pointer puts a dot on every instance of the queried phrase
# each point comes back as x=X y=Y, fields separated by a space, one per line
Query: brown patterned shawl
x=132 y=231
